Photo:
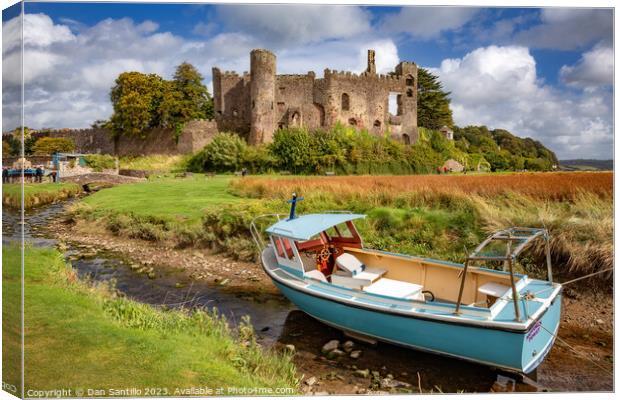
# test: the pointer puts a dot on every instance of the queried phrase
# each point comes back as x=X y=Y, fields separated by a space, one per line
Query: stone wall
x=194 y=137
x=95 y=140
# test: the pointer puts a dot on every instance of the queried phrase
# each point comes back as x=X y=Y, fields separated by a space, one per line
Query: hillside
x=587 y=165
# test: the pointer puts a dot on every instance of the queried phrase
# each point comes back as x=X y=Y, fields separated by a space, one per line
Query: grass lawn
x=166 y=198
x=37 y=193
x=83 y=337
x=156 y=162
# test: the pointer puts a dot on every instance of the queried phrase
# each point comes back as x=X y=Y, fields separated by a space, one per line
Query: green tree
x=185 y=98
x=293 y=149
x=433 y=102
x=49 y=145
x=136 y=98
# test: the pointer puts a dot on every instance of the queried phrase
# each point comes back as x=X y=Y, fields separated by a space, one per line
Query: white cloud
x=594 y=69
x=300 y=24
x=498 y=87
x=569 y=28
x=68 y=78
x=428 y=22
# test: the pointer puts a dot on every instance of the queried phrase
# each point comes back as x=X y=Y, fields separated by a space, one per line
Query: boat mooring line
x=577 y=279
x=556 y=335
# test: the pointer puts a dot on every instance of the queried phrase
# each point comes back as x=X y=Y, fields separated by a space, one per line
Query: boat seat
x=316 y=274
x=347 y=265
x=493 y=289
x=394 y=288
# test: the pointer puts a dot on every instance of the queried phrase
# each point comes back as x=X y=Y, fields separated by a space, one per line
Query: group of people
x=34 y=175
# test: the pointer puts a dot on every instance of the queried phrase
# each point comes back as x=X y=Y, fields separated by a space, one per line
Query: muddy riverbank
x=159 y=275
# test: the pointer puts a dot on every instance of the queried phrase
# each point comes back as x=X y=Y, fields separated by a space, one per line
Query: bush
x=99 y=162
x=49 y=145
x=224 y=154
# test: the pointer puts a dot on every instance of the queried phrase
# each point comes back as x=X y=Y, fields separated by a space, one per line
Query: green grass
x=154 y=163
x=172 y=199
x=79 y=336
x=36 y=194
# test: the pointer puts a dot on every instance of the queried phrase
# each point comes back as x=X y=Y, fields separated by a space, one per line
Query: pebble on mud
x=335 y=354
x=290 y=347
x=348 y=346
x=355 y=354
x=362 y=373
x=311 y=381
x=329 y=346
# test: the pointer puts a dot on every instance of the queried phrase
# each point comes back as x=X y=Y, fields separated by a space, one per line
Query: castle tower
x=371 y=69
x=262 y=96
x=408 y=101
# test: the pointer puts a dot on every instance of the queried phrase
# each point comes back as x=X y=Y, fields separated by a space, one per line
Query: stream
x=277 y=322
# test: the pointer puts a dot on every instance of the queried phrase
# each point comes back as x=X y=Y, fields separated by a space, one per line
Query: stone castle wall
x=262 y=101
x=194 y=137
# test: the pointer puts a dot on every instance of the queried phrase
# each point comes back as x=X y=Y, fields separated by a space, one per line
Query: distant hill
x=587 y=165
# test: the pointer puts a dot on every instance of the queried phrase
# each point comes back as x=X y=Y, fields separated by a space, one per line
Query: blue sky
x=543 y=73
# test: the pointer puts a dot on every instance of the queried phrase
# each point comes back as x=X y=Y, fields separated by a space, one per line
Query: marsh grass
x=442 y=216
x=37 y=194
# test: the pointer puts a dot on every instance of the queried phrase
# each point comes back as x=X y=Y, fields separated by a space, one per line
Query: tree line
x=344 y=150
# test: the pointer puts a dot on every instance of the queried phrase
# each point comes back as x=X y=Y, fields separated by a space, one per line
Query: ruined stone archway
x=406 y=139
x=321 y=112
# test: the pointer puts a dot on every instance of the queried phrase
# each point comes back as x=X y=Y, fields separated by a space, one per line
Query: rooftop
x=306 y=226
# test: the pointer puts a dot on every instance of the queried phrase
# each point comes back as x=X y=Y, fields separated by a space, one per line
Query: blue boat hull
x=520 y=351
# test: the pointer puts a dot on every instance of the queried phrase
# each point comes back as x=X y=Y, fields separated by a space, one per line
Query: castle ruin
x=260 y=102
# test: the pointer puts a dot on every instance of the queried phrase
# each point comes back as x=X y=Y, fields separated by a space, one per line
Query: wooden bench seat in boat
x=493 y=289
x=394 y=288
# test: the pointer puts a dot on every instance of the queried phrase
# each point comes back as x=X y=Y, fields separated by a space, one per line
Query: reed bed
x=440 y=215
x=553 y=186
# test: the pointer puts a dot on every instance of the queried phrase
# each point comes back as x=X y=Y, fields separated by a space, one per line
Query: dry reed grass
x=576 y=207
x=552 y=186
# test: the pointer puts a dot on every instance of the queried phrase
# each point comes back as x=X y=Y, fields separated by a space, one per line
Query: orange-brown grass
x=551 y=186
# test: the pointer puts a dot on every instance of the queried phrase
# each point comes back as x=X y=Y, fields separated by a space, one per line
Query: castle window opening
x=377 y=124
x=345 y=102
x=253 y=104
x=296 y=119
x=352 y=122
x=393 y=103
x=406 y=139
x=409 y=81
x=409 y=92
x=235 y=112
x=282 y=88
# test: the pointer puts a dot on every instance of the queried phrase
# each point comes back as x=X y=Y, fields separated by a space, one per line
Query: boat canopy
x=306 y=226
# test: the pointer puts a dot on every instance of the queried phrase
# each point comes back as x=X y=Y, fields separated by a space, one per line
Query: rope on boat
x=564 y=342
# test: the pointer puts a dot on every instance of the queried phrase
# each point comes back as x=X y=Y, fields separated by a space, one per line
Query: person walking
x=5 y=175
x=39 y=174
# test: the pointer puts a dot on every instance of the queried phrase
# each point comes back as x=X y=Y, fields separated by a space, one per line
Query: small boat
x=496 y=317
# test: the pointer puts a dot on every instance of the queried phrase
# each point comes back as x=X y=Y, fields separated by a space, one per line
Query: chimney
x=371 y=69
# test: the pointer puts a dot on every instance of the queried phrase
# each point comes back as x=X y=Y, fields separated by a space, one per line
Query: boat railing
x=520 y=236
x=337 y=212
x=256 y=233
